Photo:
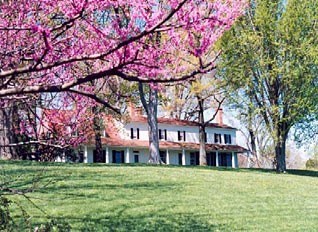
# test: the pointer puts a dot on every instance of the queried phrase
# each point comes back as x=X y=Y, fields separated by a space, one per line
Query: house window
x=136 y=158
x=205 y=137
x=162 y=134
x=163 y=156
x=225 y=159
x=181 y=136
x=227 y=139
x=194 y=158
x=211 y=158
x=180 y=158
x=118 y=157
x=134 y=133
x=217 y=138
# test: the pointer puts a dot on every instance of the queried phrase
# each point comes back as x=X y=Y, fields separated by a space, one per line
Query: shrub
x=312 y=164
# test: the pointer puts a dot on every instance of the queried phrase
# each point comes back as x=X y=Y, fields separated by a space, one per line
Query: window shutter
x=205 y=137
x=160 y=135
x=230 y=139
x=165 y=134
x=220 y=137
x=184 y=136
x=225 y=138
x=137 y=133
x=179 y=135
x=131 y=133
x=122 y=156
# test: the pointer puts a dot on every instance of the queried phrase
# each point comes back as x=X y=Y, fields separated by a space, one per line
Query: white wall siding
x=192 y=132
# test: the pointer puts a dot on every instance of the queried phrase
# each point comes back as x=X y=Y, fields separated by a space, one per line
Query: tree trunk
x=151 y=110
x=7 y=136
x=202 y=135
x=203 y=161
x=154 y=156
x=280 y=148
x=98 y=140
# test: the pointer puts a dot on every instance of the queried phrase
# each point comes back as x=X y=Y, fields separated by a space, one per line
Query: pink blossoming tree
x=63 y=46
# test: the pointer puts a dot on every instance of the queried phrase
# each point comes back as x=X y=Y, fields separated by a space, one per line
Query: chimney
x=219 y=116
x=133 y=111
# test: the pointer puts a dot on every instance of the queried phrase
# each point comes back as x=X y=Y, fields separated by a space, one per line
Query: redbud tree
x=64 y=46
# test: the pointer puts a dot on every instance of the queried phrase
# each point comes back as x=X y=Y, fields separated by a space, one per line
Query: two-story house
x=179 y=142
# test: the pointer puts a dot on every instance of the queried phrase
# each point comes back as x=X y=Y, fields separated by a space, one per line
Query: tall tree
x=44 y=46
x=270 y=57
x=151 y=107
x=198 y=100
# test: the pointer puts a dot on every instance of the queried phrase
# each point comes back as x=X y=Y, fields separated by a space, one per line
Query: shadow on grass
x=153 y=222
x=303 y=172
x=29 y=166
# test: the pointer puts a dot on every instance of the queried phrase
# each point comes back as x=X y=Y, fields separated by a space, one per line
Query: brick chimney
x=134 y=112
x=219 y=116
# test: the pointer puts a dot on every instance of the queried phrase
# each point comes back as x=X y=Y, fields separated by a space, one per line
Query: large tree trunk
x=202 y=135
x=280 y=152
x=98 y=141
x=280 y=148
x=154 y=156
x=7 y=136
x=203 y=161
x=152 y=109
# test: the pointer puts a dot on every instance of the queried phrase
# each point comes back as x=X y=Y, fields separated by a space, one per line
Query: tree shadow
x=154 y=222
x=311 y=173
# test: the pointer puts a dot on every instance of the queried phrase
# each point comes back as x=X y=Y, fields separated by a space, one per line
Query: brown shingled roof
x=116 y=142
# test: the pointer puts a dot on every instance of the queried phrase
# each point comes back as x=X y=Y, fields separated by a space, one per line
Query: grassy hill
x=150 y=198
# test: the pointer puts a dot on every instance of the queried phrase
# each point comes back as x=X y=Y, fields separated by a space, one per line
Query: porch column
x=233 y=160
x=183 y=157
x=85 y=154
x=217 y=158
x=167 y=157
x=107 y=155
x=127 y=161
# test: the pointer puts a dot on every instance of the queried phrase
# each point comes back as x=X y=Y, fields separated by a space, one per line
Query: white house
x=179 y=142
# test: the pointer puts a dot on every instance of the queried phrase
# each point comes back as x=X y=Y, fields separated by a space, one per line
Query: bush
x=6 y=222
x=312 y=164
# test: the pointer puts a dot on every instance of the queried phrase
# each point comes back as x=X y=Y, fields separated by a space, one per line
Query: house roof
x=179 y=122
x=116 y=142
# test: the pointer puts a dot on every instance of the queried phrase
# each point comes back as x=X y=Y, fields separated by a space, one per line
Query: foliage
x=78 y=49
x=312 y=164
x=15 y=188
x=6 y=222
x=269 y=61
x=306 y=132
x=96 y=197
x=194 y=100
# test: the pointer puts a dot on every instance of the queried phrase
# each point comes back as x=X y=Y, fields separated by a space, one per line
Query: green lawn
x=150 y=198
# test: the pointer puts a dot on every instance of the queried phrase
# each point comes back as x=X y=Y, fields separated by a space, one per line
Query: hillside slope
x=150 y=198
